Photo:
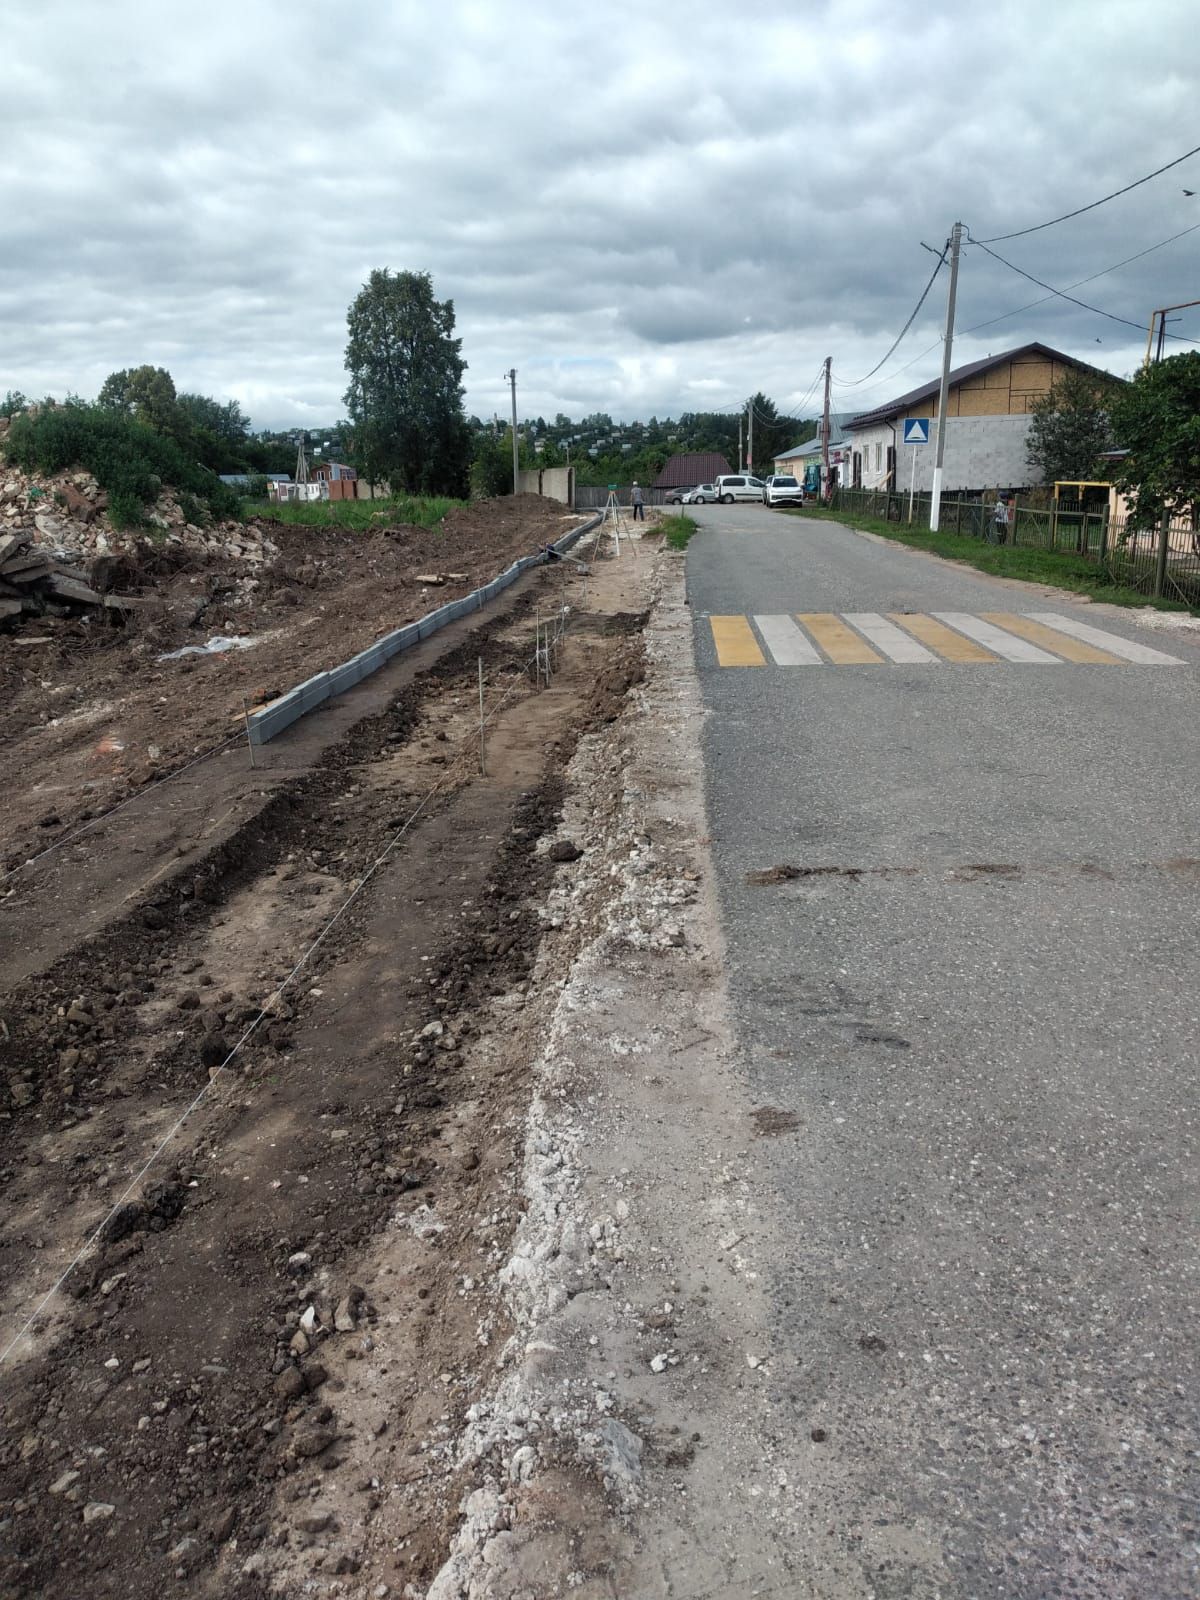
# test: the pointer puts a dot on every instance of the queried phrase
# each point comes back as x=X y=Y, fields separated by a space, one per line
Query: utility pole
x=750 y=446
x=741 y=452
x=512 y=378
x=825 y=484
x=935 y=505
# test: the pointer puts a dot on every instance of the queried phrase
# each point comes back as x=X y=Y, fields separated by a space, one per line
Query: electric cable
x=1063 y=295
x=999 y=238
x=837 y=383
x=853 y=383
x=1149 y=250
x=1029 y=306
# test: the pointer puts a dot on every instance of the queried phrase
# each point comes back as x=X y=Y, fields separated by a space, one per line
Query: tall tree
x=773 y=434
x=1156 y=418
x=219 y=431
x=1071 y=427
x=405 y=397
x=147 y=394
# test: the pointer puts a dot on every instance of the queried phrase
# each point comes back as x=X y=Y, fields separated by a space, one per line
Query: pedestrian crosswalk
x=916 y=638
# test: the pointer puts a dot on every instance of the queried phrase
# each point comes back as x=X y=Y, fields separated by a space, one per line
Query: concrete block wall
x=556 y=483
x=981 y=453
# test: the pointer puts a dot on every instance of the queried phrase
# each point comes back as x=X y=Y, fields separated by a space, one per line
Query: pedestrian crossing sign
x=916 y=430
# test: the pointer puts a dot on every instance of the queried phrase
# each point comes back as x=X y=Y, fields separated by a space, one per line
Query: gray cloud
x=643 y=210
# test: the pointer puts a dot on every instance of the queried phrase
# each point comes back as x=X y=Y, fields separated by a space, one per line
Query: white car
x=781 y=491
x=702 y=495
x=738 y=486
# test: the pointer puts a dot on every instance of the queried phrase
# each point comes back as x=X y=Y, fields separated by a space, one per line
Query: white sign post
x=916 y=431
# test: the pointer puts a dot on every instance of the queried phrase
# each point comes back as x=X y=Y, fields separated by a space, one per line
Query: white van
x=737 y=486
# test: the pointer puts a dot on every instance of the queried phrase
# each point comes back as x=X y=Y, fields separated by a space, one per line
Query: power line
x=1090 y=279
x=1017 y=310
x=1061 y=293
x=999 y=238
x=837 y=383
x=800 y=404
x=1053 y=294
x=853 y=383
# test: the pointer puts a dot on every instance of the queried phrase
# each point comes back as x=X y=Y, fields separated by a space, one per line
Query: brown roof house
x=987 y=424
x=686 y=471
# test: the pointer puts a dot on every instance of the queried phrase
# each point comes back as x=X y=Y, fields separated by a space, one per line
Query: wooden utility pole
x=825 y=485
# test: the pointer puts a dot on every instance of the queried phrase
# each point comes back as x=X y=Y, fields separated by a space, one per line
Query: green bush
x=130 y=461
x=125 y=510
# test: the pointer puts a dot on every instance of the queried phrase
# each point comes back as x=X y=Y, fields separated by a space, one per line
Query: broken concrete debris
x=39 y=580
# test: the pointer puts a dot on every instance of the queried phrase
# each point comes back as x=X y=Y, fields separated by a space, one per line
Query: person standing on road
x=1000 y=519
x=638 y=501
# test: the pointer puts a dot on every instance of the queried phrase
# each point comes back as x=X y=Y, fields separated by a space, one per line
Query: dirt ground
x=90 y=714
x=260 y=1377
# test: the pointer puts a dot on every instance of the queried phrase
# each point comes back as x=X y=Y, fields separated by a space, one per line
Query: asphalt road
x=981 y=1010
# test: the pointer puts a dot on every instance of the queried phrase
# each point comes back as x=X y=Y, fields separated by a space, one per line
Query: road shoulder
x=620 y=1452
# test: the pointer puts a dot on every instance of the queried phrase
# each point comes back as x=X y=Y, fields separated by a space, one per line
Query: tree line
x=407 y=424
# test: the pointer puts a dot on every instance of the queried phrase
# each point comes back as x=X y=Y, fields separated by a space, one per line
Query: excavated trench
x=190 y=1370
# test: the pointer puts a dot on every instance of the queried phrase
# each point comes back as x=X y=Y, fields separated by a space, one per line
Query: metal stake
x=246 y=719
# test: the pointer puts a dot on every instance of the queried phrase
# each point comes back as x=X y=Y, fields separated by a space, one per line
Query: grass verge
x=362 y=515
x=678 y=530
x=1058 y=568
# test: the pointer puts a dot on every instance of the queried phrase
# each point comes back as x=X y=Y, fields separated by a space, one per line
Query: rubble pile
x=41 y=580
x=69 y=512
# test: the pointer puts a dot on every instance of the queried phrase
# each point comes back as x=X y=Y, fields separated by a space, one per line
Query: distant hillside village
x=991 y=416
x=989 y=413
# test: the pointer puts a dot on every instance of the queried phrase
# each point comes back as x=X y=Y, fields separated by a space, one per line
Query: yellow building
x=987 y=424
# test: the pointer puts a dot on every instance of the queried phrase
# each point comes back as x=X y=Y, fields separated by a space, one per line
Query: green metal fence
x=1156 y=561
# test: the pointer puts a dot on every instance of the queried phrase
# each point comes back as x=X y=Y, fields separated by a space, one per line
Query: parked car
x=781 y=491
x=676 y=497
x=738 y=486
x=702 y=495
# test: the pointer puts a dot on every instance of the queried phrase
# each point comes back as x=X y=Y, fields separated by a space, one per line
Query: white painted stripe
x=994 y=638
x=789 y=647
x=1103 y=640
x=893 y=641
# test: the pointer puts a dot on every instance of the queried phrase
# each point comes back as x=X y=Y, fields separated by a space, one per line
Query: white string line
x=134 y=1182
x=93 y=822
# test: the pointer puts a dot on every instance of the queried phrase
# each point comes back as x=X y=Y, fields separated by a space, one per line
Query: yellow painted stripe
x=839 y=641
x=1050 y=639
x=735 y=642
x=942 y=640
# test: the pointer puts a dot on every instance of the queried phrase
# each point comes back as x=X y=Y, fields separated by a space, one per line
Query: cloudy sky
x=645 y=209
